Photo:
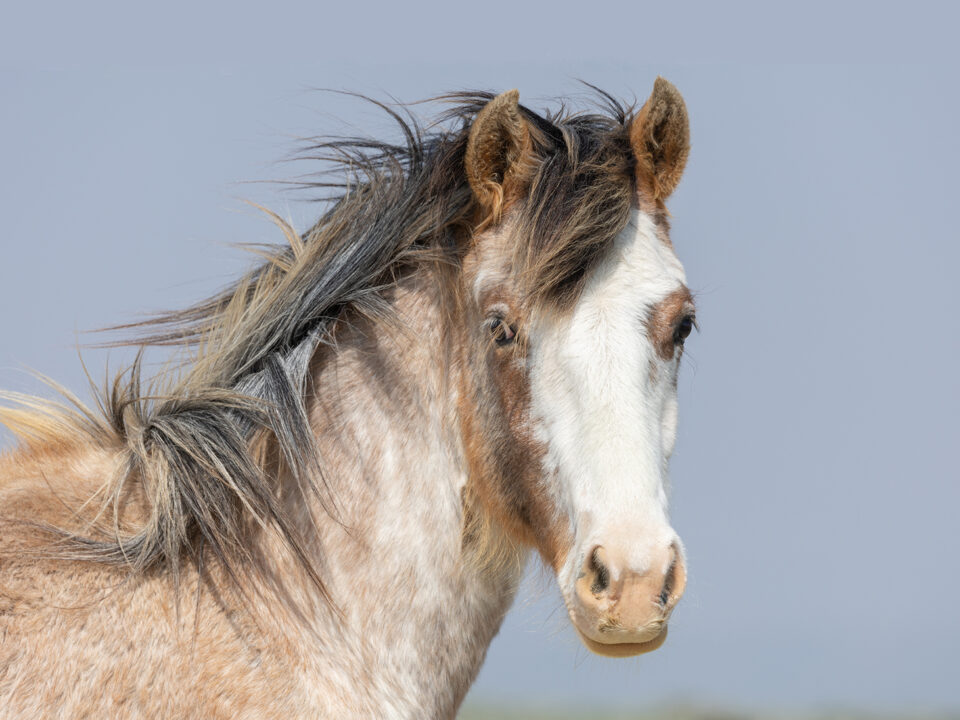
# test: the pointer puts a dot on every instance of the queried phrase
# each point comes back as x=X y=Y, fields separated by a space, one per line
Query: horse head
x=575 y=313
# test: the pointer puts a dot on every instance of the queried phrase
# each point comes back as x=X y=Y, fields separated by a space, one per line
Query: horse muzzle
x=618 y=611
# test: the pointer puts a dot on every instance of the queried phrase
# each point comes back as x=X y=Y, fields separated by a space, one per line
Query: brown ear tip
x=510 y=98
x=664 y=88
x=663 y=83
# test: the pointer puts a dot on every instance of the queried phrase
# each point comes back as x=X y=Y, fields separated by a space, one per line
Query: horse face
x=572 y=409
x=603 y=388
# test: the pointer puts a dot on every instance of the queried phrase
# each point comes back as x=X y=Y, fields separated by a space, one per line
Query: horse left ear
x=660 y=137
x=499 y=142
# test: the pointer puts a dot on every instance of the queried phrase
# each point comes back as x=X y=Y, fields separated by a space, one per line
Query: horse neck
x=384 y=413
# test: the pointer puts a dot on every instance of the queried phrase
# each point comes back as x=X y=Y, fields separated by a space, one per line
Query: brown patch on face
x=662 y=320
x=505 y=486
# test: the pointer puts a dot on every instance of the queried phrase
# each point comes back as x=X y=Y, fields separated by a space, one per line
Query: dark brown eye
x=683 y=330
x=503 y=334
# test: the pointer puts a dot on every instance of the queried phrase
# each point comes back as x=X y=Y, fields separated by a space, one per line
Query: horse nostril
x=601 y=576
x=667 y=588
x=669 y=581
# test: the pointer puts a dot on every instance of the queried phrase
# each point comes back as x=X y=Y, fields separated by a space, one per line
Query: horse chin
x=627 y=649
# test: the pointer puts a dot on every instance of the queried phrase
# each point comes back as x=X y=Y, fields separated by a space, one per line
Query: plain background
x=815 y=481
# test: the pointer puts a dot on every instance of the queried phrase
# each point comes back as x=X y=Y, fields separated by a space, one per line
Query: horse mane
x=205 y=438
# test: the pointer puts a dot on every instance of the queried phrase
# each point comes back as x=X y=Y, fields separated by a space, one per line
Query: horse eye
x=503 y=334
x=683 y=330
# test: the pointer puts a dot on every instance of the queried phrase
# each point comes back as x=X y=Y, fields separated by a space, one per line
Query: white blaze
x=608 y=422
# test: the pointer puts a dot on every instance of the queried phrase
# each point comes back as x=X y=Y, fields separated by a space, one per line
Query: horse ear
x=660 y=137
x=499 y=141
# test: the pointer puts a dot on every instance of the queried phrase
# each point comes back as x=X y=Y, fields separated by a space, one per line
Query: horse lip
x=608 y=632
x=623 y=649
x=611 y=646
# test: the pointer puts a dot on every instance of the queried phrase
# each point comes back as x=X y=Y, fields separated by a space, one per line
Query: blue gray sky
x=815 y=481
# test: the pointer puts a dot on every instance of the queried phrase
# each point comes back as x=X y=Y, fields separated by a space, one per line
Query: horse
x=322 y=506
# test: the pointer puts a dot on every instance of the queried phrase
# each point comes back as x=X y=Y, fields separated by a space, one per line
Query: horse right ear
x=498 y=144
